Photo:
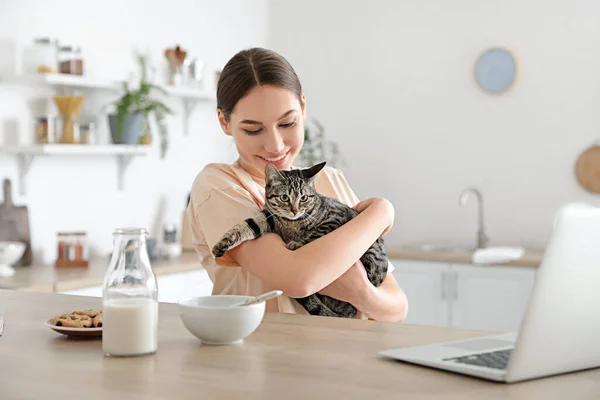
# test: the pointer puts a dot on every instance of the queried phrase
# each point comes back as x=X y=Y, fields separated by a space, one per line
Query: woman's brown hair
x=250 y=68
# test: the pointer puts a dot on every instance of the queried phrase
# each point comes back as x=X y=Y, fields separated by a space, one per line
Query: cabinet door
x=425 y=285
x=175 y=287
x=489 y=298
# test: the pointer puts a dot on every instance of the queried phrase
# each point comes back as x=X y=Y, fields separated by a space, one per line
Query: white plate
x=79 y=332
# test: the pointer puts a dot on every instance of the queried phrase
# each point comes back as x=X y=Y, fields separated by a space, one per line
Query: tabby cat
x=296 y=212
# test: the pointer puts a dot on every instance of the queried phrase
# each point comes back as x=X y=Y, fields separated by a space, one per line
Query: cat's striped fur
x=296 y=212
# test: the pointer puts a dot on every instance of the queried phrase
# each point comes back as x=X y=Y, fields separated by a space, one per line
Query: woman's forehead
x=265 y=104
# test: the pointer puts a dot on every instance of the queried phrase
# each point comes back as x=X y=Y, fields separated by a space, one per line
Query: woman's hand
x=378 y=202
x=353 y=286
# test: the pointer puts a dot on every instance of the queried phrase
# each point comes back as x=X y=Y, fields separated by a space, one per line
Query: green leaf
x=140 y=100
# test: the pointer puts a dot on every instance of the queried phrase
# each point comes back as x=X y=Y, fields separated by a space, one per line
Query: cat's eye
x=285 y=198
x=303 y=198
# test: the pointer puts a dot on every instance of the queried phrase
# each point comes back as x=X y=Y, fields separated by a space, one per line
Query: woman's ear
x=303 y=106
x=224 y=124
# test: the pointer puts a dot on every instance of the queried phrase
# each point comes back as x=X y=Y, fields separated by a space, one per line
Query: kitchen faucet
x=482 y=239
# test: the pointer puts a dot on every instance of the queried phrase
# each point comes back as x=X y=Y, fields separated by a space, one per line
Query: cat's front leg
x=294 y=245
x=251 y=228
x=236 y=235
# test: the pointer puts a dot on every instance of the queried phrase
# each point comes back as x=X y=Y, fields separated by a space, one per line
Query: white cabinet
x=425 y=287
x=489 y=298
x=171 y=287
x=482 y=297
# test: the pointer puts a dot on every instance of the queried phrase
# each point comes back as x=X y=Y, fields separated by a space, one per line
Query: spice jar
x=87 y=133
x=72 y=249
x=45 y=129
x=70 y=60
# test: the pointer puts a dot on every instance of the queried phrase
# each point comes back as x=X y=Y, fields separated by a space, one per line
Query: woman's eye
x=285 y=197
x=256 y=132
x=289 y=124
x=303 y=198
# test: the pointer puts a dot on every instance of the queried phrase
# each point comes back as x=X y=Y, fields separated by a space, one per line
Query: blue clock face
x=495 y=70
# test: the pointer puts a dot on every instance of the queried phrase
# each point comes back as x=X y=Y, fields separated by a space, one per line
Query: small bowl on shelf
x=10 y=253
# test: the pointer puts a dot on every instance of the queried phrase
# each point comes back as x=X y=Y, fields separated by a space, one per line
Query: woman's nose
x=274 y=143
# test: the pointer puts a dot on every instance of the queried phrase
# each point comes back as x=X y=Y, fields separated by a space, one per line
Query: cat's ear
x=271 y=173
x=312 y=171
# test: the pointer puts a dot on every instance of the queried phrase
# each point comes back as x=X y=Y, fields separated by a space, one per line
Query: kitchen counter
x=47 y=278
x=288 y=356
x=529 y=259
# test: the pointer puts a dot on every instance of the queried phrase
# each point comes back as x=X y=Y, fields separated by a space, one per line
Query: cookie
x=97 y=320
x=73 y=321
x=89 y=313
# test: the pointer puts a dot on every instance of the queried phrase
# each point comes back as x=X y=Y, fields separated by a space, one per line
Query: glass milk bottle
x=129 y=298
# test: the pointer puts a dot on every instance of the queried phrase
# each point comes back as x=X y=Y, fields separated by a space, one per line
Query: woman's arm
x=387 y=302
x=315 y=265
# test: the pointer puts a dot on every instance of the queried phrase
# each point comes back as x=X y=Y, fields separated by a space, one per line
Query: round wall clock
x=495 y=70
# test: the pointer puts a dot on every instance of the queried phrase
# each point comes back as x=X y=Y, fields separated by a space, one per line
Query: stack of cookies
x=79 y=319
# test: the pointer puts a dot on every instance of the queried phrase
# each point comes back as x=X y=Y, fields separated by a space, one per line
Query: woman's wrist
x=366 y=298
x=382 y=305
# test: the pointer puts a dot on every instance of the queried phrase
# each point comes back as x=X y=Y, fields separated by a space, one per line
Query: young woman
x=260 y=104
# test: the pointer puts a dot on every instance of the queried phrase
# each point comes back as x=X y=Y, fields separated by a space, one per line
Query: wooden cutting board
x=14 y=223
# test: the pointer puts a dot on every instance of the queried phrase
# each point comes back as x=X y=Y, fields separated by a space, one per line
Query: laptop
x=560 y=330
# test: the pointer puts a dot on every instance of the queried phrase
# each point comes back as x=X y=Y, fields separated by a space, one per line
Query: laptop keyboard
x=494 y=359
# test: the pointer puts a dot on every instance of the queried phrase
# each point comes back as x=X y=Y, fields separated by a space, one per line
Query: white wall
x=392 y=81
x=77 y=193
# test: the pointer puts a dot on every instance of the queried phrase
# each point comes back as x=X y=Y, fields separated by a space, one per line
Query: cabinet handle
x=443 y=285
x=454 y=285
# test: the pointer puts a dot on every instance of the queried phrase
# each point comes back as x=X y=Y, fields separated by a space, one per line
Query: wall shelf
x=188 y=95
x=62 y=80
x=26 y=154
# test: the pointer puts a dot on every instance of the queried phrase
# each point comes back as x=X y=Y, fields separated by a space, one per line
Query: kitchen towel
x=497 y=255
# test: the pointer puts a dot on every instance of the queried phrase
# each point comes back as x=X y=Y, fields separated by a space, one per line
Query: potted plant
x=317 y=149
x=130 y=124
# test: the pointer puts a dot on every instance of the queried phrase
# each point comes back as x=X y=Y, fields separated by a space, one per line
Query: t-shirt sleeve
x=341 y=184
x=220 y=211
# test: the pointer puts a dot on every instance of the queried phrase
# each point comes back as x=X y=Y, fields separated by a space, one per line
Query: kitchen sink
x=439 y=248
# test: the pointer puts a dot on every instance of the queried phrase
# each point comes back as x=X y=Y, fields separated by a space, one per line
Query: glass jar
x=69 y=129
x=129 y=298
x=72 y=250
x=45 y=129
x=87 y=133
x=40 y=57
x=70 y=60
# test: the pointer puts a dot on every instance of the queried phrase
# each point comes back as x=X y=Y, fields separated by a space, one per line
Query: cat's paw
x=293 y=245
x=228 y=241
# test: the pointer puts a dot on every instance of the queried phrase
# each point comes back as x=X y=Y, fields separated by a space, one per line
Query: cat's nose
x=295 y=210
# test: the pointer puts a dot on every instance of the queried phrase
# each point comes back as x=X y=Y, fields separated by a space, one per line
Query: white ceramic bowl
x=211 y=320
x=10 y=253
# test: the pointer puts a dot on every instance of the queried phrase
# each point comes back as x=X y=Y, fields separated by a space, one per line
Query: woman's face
x=267 y=126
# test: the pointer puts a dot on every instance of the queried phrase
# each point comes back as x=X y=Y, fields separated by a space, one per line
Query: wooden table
x=288 y=356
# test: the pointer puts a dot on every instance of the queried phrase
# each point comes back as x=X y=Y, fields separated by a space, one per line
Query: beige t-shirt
x=224 y=195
